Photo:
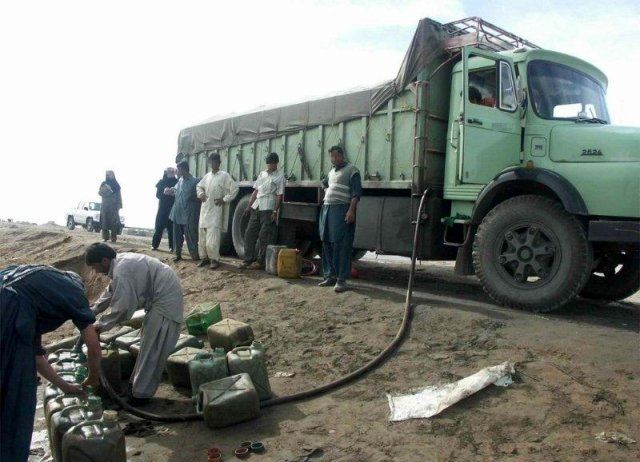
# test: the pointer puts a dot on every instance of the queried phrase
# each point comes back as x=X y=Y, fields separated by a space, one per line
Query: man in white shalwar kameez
x=139 y=281
x=216 y=191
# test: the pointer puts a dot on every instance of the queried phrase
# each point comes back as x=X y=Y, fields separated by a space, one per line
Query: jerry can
x=126 y=341
x=271 y=258
x=228 y=401
x=67 y=355
x=95 y=441
x=229 y=334
x=203 y=316
x=251 y=359
x=110 y=365
x=59 y=403
x=51 y=391
x=66 y=367
x=184 y=341
x=289 y=263
x=178 y=366
x=207 y=367
x=68 y=417
x=127 y=363
x=110 y=336
x=136 y=321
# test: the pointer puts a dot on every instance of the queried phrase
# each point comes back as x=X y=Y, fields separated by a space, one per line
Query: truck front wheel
x=615 y=277
x=531 y=254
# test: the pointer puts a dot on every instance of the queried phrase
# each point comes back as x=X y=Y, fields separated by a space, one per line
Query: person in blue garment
x=185 y=213
x=343 y=188
x=34 y=300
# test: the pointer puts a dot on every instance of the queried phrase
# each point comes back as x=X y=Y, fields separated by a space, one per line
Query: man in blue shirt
x=343 y=188
x=185 y=213
x=34 y=300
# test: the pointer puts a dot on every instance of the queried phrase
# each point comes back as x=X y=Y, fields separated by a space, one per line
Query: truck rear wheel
x=531 y=254
x=71 y=224
x=615 y=277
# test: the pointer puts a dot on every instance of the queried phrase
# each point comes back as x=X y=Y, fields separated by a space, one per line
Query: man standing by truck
x=268 y=191
x=343 y=188
x=216 y=191
x=165 y=203
x=185 y=213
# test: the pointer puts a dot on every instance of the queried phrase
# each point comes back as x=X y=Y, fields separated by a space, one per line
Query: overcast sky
x=89 y=86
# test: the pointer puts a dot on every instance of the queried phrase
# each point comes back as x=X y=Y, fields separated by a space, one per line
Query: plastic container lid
x=110 y=416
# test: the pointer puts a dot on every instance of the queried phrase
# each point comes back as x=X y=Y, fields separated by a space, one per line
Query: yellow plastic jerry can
x=289 y=263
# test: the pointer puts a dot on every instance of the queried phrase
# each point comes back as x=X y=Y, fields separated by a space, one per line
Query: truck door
x=490 y=121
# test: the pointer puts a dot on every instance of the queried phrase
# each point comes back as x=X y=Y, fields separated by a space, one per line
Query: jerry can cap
x=110 y=416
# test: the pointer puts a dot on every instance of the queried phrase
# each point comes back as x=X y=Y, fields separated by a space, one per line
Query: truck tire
x=529 y=253
x=615 y=277
x=239 y=225
x=89 y=226
x=71 y=224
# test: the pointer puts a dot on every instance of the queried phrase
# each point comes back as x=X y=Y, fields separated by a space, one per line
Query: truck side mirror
x=85 y=208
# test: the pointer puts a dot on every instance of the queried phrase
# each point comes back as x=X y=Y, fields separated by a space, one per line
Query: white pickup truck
x=87 y=215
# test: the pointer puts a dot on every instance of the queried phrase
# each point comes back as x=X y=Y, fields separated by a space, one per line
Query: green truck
x=528 y=184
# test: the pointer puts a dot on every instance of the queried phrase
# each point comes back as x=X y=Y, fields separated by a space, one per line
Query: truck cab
x=535 y=173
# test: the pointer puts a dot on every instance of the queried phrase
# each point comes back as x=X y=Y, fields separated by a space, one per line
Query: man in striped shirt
x=343 y=188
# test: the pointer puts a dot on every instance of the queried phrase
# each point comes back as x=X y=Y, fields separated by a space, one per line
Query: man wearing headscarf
x=165 y=202
x=216 y=190
x=35 y=300
x=185 y=212
x=110 y=208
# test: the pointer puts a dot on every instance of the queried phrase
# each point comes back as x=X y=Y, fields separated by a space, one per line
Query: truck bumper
x=614 y=231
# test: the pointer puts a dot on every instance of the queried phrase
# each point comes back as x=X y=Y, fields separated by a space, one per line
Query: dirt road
x=577 y=370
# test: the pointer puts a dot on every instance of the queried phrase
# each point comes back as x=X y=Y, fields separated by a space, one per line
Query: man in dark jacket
x=165 y=202
x=35 y=300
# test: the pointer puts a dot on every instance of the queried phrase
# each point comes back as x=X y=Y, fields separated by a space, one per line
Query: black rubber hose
x=375 y=362
x=144 y=414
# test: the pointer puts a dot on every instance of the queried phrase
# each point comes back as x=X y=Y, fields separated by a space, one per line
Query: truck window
x=560 y=92
x=482 y=87
x=507 y=88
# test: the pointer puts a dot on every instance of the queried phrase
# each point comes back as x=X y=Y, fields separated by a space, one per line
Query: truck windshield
x=95 y=206
x=560 y=92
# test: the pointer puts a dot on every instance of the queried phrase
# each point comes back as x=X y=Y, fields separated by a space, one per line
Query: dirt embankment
x=578 y=370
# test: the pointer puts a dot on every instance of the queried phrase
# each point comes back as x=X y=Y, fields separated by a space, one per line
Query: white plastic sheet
x=433 y=400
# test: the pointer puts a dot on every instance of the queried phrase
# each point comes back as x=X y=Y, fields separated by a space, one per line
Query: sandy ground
x=577 y=369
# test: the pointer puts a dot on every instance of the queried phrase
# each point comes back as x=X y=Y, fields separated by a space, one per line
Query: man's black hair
x=337 y=149
x=183 y=164
x=272 y=158
x=96 y=252
x=215 y=156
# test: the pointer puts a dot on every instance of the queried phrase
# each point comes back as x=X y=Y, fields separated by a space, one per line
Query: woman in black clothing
x=165 y=202
x=110 y=208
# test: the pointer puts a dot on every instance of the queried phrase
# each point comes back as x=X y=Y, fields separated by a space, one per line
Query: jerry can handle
x=242 y=349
